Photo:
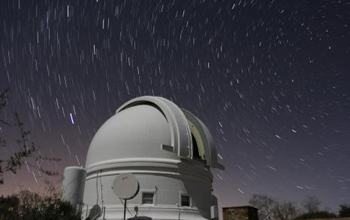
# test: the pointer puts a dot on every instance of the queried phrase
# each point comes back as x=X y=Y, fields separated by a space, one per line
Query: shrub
x=319 y=214
x=30 y=206
x=344 y=211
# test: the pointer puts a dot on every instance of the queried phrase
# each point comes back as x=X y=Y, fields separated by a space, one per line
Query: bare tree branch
x=27 y=149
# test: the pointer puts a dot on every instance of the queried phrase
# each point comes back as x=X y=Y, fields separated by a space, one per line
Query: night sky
x=270 y=78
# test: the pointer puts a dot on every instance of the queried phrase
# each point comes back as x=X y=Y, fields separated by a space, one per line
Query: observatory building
x=152 y=156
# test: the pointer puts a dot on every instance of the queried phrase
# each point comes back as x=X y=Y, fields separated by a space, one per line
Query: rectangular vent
x=167 y=148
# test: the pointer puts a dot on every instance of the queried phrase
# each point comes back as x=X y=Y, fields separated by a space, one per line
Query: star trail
x=270 y=79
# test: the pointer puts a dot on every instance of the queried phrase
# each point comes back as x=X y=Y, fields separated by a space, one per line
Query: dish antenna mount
x=126 y=187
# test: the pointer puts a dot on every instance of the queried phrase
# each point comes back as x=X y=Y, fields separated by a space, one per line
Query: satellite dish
x=125 y=186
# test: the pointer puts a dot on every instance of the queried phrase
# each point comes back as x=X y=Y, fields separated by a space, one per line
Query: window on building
x=185 y=200
x=147 y=197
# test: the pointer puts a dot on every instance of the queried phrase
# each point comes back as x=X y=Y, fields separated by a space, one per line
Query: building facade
x=169 y=151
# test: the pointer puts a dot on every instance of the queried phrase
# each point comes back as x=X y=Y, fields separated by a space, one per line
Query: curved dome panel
x=204 y=140
x=151 y=127
x=137 y=132
x=180 y=132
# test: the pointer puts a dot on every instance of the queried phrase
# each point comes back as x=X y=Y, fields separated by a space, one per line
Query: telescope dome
x=138 y=131
x=150 y=128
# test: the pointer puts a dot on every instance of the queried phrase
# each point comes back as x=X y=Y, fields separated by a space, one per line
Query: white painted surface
x=132 y=141
x=167 y=184
x=125 y=186
x=73 y=185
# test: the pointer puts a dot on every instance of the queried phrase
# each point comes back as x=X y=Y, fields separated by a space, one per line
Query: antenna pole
x=124 y=208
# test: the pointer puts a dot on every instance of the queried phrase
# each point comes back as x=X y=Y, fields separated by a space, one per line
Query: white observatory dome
x=150 y=127
x=138 y=131
x=167 y=149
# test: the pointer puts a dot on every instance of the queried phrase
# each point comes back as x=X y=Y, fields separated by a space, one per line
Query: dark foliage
x=314 y=215
x=31 y=206
x=273 y=209
x=344 y=211
x=9 y=207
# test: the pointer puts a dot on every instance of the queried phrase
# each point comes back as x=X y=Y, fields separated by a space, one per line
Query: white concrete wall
x=73 y=185
x=167 y=183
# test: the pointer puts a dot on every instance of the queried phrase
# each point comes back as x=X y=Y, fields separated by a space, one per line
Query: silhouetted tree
x=26 y=149
x=9 y=207
x=311 y=204
x=318 y=214
x=263 y=203
x=30 y=206
x=344 y=211
x=284 y=210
